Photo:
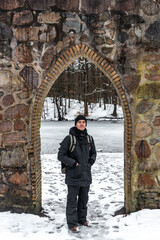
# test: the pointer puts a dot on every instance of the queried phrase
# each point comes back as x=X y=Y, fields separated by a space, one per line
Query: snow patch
x=94 y=111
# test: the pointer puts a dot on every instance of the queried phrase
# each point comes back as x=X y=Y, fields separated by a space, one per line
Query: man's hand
x=75 y=164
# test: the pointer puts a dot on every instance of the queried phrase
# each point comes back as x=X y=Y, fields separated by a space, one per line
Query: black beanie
x=80 y=117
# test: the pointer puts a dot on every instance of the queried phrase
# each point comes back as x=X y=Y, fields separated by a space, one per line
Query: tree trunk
x=65 y=107
x=100 y=101
x=85 y=108
x=61 y=101
x=69 y=102
x=54 y=109
x=115 y=106
x=58 y=110
x=104 y=102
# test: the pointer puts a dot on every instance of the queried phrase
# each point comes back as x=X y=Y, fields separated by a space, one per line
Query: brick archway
x=63 y=61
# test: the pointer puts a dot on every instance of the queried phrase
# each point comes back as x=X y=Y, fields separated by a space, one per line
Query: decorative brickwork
x=63 y=61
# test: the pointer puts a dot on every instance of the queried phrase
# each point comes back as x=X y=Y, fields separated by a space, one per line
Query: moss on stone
x=147 y=91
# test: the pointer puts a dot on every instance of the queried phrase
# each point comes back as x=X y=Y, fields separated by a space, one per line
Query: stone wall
x=33 y=34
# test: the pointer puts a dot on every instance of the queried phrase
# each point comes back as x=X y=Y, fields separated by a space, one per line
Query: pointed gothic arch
x=63 y=61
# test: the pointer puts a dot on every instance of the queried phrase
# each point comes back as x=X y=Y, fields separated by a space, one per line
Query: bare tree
x=83 y=81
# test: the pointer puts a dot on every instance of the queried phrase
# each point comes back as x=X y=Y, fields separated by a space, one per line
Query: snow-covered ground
x=106 y=196
x=94 y=111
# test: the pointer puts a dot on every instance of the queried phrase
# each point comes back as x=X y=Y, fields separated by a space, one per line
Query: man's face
x=81 y=125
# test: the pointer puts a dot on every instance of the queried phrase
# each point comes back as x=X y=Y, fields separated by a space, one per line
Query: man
x=78 y=172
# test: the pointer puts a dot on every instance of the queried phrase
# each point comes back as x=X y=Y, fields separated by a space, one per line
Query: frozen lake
x=108 y=135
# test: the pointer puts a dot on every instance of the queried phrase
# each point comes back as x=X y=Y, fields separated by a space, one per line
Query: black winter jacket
x=83 y=153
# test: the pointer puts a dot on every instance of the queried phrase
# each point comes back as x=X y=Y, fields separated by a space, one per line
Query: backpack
x=72 y=147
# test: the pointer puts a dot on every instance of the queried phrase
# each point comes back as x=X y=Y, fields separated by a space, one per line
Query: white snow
x=94 y=111
x=105 y=197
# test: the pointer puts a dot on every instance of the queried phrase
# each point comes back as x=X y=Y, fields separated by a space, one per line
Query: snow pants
x=76 y=210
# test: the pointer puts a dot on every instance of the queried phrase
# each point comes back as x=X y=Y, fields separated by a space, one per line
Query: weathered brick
x=153 y=77
x=14 y=158
x=131 y=82
x=30 y=76
x=14 y=138
x=8 y=100
x=16 y=112
x=5 y=126
x=49 y=17
x=146 y=181
x=19 y=179
x=9 y=5
x=143 y=106
x=94 y=7
x=142 y=149
x=143 y=130
x=68 y=5
x=41 y=4
x=19 y=125
x=22 y=54
x=42 y=34
x=27 y=34
x=48 y=57
x=22 y=18
x=125 y=5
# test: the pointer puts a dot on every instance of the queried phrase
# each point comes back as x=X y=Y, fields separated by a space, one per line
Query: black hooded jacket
x=84 y=154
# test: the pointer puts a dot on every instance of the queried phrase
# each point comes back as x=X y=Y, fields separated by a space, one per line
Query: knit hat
x=80 y=117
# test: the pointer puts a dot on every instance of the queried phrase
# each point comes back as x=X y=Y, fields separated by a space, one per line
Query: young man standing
x=78 y=178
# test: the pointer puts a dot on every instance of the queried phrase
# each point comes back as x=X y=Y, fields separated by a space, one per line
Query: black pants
x=76 y=210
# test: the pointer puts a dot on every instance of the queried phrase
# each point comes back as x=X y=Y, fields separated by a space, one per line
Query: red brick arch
x=63 y=61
